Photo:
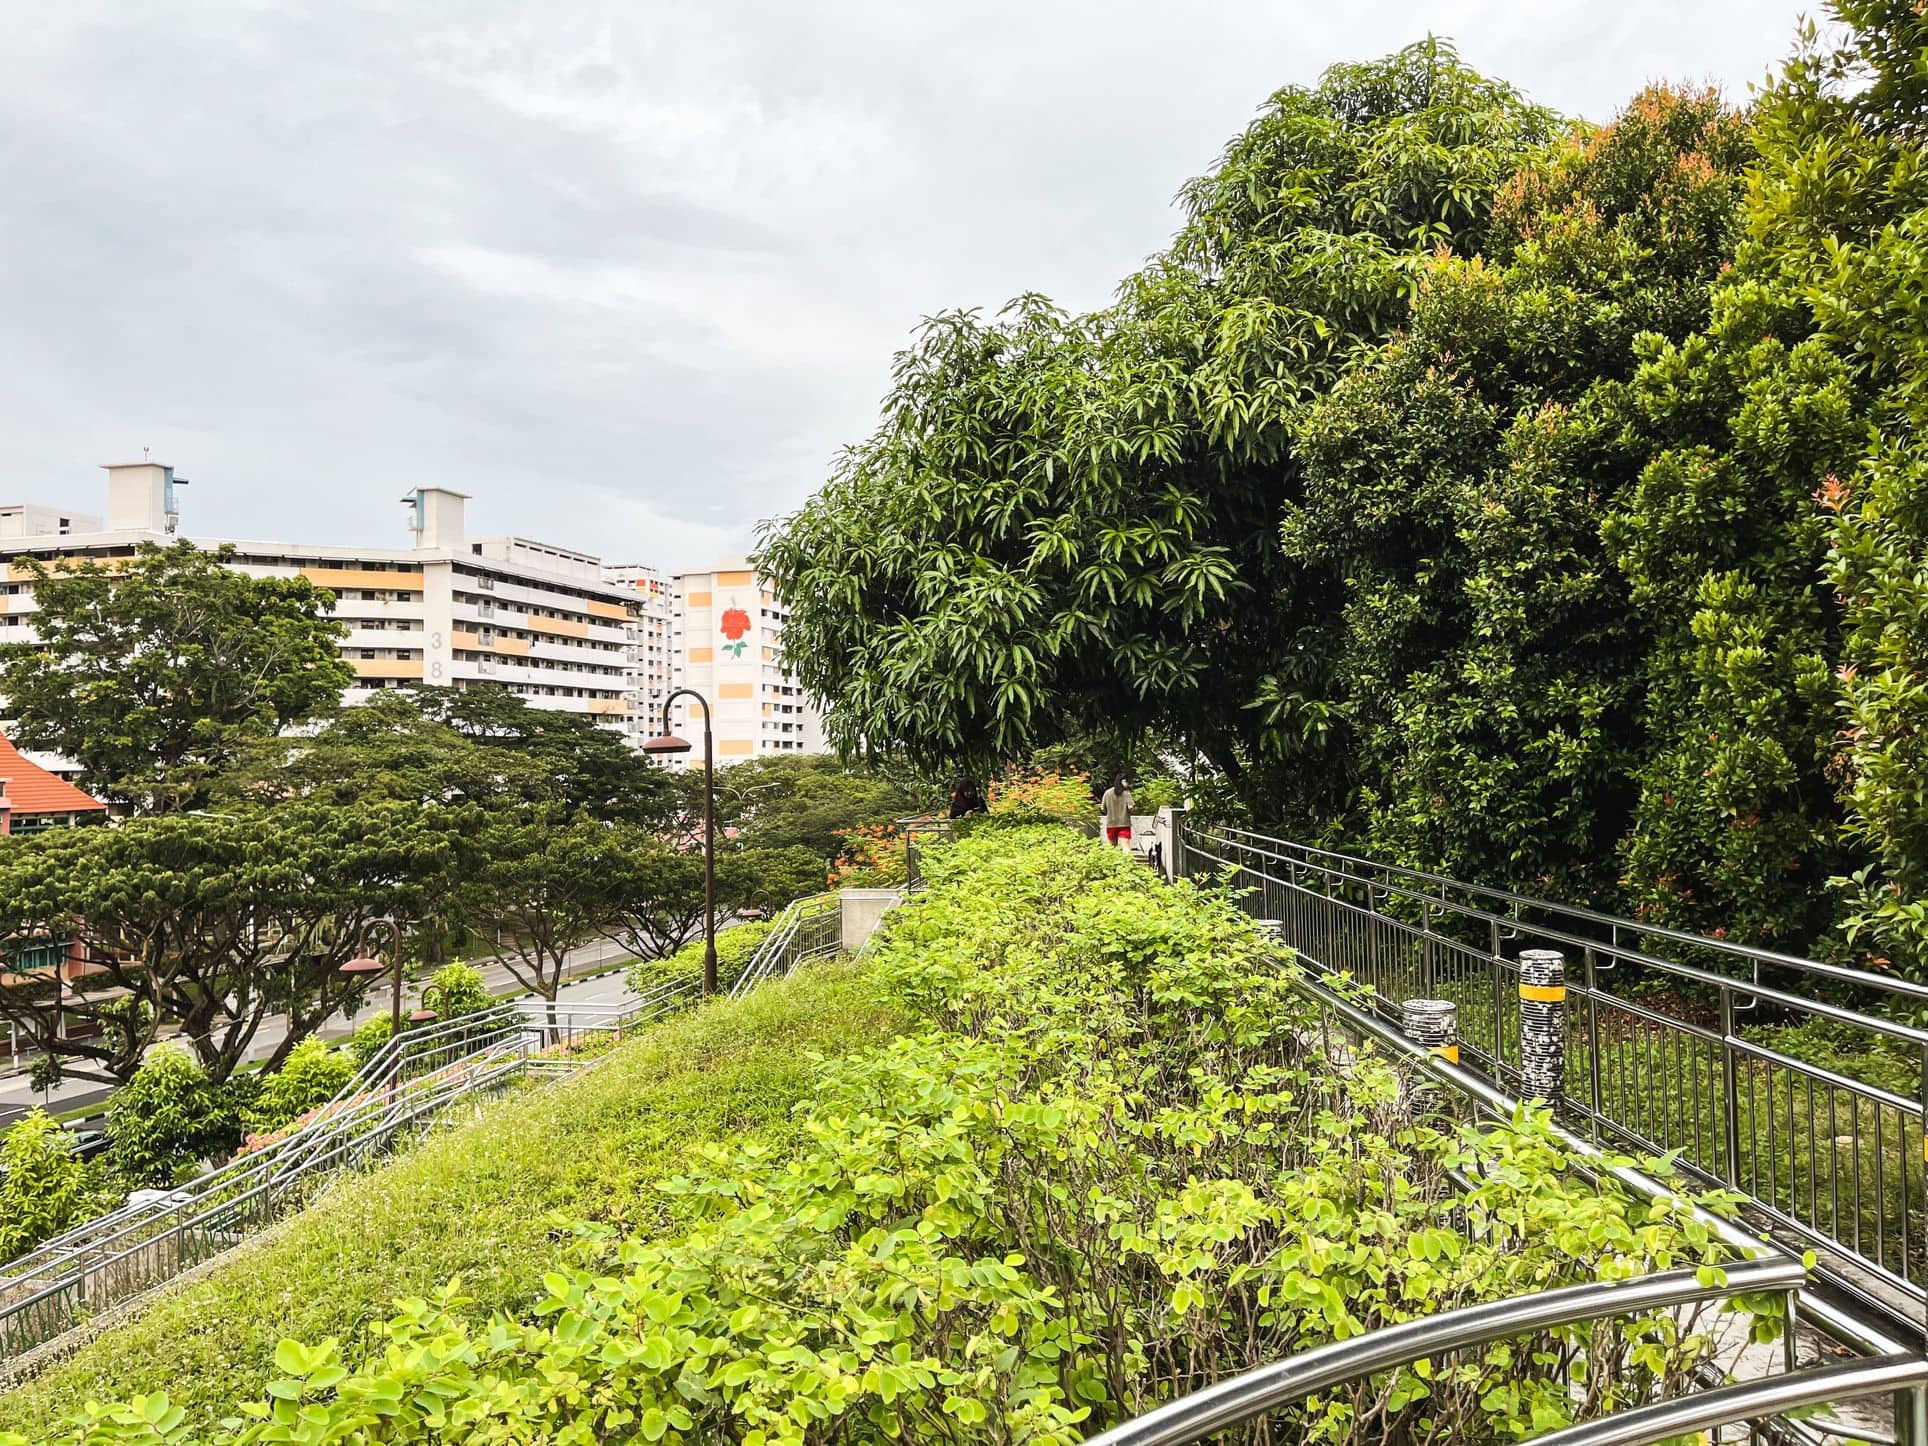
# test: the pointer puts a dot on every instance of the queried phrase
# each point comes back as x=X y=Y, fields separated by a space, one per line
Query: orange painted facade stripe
x=735 y=579
x=387 y=667
x=733 y=745
x=615 y=611
x=336 y=578
x=697 y=600
x=734 y=690
x=702 y=655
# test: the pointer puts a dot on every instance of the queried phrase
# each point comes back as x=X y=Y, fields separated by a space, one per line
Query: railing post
x=1730 y=1091
x=1542 y=1025
x=1433 y=1023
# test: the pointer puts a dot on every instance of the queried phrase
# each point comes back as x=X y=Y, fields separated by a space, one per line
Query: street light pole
x=668 y=742
x=364 y=965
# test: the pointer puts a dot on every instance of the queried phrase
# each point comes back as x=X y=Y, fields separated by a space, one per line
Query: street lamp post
x=362 y=966
x=668 y=742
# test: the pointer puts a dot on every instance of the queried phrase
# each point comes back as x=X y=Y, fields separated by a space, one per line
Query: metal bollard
x=1542 y=1025
x=1433 y=1023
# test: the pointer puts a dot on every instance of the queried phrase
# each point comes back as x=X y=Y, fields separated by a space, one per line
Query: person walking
x=1116 y=807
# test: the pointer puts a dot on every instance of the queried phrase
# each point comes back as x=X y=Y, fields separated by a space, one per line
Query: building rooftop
x=32 y=789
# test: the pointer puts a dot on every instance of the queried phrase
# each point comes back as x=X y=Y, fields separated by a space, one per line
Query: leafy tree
x=484 y=746
x=167 y=1117
x=544 y=888
x=656 y=899
x=45 y=1187
x=208 y=924
x=580 y=765
x=1482 y=667
x=804 y=801
x=1839 y=219
x=1069 y=523
x=151 y=672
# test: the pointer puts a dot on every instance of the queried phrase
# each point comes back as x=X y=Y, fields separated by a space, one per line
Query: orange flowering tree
x=1064 y=796
x=873 y=857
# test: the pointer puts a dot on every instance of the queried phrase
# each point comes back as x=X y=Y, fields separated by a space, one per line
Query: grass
x=476 y=1201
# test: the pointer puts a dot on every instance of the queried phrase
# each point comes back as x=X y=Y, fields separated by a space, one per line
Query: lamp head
x=666 y=743
x=363 y=965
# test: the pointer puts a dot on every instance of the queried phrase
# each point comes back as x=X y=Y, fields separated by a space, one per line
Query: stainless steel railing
x=412 y=1079
x=1242 y=1398
x=806 y=929
x=1668 y=1043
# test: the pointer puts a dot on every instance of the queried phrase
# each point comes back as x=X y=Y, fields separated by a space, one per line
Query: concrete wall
x=863 y=910
x=1164 y=830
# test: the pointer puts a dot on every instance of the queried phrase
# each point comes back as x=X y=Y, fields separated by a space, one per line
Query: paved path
x=17 y=1095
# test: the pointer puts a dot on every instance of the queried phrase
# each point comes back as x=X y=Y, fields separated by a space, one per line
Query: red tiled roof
x=31 y=789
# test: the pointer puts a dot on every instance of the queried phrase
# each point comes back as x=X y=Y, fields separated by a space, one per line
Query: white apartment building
x=648 y=668
x=725 y=627
x=447 y=610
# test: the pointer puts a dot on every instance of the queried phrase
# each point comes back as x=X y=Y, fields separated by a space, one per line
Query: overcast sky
x=628 y=273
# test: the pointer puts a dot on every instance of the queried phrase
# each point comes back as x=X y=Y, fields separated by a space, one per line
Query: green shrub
x=311 y=1075
x=735 y=947
x=44 y=1187
x=169 y=1117
x=1112 y=1166
x=369 y=1037
x=459 y=990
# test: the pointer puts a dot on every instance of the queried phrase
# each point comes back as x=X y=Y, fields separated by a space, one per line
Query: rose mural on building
x=736 y=626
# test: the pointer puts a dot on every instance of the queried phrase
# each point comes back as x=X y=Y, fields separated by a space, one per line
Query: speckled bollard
x=1542 y=1024
x=1433 y=1023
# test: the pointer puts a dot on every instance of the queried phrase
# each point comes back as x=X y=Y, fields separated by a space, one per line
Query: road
x=17 y=1095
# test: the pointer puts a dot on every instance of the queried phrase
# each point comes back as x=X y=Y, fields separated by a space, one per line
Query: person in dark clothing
x=965 y=799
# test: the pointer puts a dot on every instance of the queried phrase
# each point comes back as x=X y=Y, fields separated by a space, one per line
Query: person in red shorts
x=1116 y=806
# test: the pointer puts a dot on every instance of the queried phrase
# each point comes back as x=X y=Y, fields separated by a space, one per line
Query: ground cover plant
x=1112 y=1163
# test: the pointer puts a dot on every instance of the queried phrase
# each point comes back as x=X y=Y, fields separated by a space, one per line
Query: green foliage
x=1601 y=551
x=1842 y=215
x=151 y=672
x=213 y=921
x=1065 y=524
x=167 y=1117
x=459 y=990
x=44 y=1187
x=1107 y=1166
x=311 y=1075
x=876 y=856
x=735 y=946
x=369 y=1037
x=1044 y=796
x=477 y=1202
x=802 y=801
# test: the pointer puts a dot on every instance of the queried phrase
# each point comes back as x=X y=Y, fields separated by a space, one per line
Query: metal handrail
x=1828 y=1161
x=1757 y=1401
x=1751 y=954
x=138 y=1247
x=1228 y=1403
x=797 y=935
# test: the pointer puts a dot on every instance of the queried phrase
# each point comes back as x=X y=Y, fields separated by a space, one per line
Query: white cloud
x=632 y=274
